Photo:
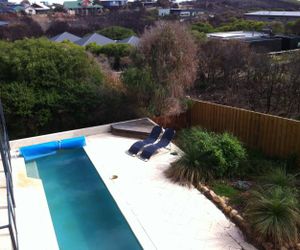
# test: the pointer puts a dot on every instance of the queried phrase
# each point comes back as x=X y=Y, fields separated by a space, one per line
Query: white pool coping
x=34 y=223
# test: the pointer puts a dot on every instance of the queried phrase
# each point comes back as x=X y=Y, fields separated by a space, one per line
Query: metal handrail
x=6 y=162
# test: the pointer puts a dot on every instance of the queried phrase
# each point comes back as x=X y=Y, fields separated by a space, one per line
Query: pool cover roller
x=49 y=148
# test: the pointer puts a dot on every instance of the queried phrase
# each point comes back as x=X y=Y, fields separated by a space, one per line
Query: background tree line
x=233 y=74
x=47 y=86
x=28 y=27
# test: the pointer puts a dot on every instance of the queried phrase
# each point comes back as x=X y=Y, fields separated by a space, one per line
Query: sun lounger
x=153 y=136
x=163 y=142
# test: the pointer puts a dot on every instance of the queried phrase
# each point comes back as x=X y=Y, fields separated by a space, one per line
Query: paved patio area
x=172 y=216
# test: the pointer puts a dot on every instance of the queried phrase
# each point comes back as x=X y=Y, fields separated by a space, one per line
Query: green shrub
x=241 y=24
x=293 y=27
x=274 y=215
x=199 y=36
x=140 y=88
x=110 y=50
x=207 y=156
x=116 y=32
x=94 y=48
x=202 y=27
x=47 y=87
x=233 y=152
x=114 y=50
x=234 y=24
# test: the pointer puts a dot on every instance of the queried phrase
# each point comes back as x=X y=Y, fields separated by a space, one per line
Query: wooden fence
x=275 y=136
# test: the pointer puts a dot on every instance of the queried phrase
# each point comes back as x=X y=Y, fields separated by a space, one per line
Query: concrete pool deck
x=172 y=216
x=162 y=215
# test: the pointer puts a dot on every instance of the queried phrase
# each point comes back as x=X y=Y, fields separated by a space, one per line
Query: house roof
x=275 y=13
x=65 y=36
x=236 y=34
x=132 y=40
x=94 y=38
x=77 y=5
x=18 y=8
x=3 y=23
x=40 y=6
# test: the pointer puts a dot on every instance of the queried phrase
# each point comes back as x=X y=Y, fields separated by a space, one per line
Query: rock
x=242 y=185
x=227 y=210
x=205 y=189
x=239 y=218
x=212 y=194
x=217 y=199
x=226 y=199
x=223 y=203
x=267 y=245
x=113 y=177
x=233 y=213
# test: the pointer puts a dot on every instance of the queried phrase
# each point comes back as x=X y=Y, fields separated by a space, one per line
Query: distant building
x=149 y=3
x=260 y=41
x=94 y=38
x=164 y=12
x=132 y=40
x=186 y=12
x=29 y=10
x=283 y=16
x=82 y=7
x=65 y=36
x=236 y=35
x=290 y=42
x=40 y=8
x=3 y=23
x=7 y=7
x=180 y=12
x=113 y=3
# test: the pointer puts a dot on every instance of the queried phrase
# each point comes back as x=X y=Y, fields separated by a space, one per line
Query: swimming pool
x=84 y=214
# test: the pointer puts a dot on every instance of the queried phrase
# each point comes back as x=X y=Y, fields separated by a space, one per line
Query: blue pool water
x=84 y=214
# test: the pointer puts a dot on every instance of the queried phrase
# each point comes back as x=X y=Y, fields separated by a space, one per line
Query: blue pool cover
x=49 y=148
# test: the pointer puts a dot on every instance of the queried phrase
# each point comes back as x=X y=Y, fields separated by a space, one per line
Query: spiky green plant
x=279 y=177
x=207 y=156
x=274 y=215
x=184 y=174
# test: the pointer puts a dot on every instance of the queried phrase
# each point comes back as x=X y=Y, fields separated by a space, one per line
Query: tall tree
x=168 y=52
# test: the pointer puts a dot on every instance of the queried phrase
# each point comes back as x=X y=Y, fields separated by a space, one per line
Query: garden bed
x=260 y=195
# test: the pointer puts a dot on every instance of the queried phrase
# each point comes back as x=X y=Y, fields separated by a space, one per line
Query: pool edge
x=133 y=222
x=28 y=193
